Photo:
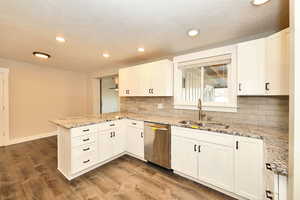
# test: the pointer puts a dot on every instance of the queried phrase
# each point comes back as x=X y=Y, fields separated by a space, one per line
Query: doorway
x=4 y=107
x=109 y=95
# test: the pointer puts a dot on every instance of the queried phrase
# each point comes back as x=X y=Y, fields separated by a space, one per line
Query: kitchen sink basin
x=195 y=124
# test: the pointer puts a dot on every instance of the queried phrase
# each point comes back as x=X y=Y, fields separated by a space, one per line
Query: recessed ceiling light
x=41 y=55
x=259 y=2
x=141 y=49
x=60 y=39
x=193 y=32
x=105 y=55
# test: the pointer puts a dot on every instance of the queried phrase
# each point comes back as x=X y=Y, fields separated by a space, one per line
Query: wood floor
x=28 y=172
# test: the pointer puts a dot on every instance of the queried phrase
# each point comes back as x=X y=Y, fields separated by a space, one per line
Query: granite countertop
x=276 y=141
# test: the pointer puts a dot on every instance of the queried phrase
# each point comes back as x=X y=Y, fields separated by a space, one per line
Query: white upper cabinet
x=277 y=76
x=130 y=81
x=150 y=79
x=263 y=65
x=251 y=67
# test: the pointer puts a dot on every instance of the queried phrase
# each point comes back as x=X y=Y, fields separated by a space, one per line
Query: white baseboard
x=30 y=138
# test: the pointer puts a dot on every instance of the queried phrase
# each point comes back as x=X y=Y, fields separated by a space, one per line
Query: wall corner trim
x=31 y=138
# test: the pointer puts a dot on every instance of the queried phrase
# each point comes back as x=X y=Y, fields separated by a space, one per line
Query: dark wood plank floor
x=28 y=171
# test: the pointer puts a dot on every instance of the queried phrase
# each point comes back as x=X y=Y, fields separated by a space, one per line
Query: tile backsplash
x=262 y=111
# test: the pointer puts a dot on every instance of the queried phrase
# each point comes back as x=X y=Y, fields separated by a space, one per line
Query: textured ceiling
x=119 y=27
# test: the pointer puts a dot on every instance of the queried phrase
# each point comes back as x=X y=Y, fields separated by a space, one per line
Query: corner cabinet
x=150 y=79
x=230 y=164
x=263 y=65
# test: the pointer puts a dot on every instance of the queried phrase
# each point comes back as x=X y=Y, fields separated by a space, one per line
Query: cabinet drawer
x=109 y=125
x=135 y=123
x=83 y=150
x=205 y=136
x=83 y=139
x=75 y=132
x=84 y=161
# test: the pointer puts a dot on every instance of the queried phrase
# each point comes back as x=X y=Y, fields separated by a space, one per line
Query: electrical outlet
x=160 y=106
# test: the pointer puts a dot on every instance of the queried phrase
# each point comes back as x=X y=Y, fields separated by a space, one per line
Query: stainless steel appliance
x=157 y=140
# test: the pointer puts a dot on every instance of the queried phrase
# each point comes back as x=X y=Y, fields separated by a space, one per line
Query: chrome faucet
x=201 y=115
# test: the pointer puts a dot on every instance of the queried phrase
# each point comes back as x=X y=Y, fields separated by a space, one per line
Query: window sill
x=207 y=108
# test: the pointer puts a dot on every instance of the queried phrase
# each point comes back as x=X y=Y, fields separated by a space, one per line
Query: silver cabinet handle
x=142 y=134
x=86 y=139
x=199 y=148
x=86 y=161
x=240 y=87
x=195 y=148
x=85 y=130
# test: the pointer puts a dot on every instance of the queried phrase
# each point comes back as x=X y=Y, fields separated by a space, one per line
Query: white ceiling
x=120 y=26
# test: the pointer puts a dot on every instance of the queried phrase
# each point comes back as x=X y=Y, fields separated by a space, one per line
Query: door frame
x=5 y=134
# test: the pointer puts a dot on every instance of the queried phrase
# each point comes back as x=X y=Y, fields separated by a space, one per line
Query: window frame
x=231 y=105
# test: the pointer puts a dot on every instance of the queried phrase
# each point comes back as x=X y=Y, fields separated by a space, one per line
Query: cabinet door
x=249 y=167
x=123 y=82
x=277 y=75
x=216 y=165
x=162 y=78
x=118 y=142
x=105 y=145
x=135 y=141
x=184 y=156
x=251 y=67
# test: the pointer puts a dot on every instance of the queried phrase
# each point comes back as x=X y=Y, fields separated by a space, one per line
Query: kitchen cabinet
x=150 y=79
x=280 y=187
x=207 y=158
x=277 y=76
x=105 y=146
x=184 y=156
x=231 y=163
x=252 y=67
x=135 y=138
x=216 y=165
x=130 y=81
x=263 y=65
x=111 y=140
x=249 y=167
x=111 y=143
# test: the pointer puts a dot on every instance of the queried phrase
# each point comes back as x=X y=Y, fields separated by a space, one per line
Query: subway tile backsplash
x=262 y=111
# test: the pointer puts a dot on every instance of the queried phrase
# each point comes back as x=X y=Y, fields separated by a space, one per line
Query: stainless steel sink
x=191 y=123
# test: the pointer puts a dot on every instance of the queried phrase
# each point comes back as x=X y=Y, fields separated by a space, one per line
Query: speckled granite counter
x=276 y=141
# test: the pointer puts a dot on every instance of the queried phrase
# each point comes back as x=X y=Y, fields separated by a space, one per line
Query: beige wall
x=38 y=94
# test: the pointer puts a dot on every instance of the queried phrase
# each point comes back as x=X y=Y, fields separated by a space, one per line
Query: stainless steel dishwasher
x=157 y=141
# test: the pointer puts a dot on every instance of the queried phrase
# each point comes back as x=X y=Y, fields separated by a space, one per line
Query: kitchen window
x=209 y=76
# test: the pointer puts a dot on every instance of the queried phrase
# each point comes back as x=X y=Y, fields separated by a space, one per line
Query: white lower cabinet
x=216 y=165
x=111 y=143
x=184 y=156
x=249 y=168
x=135 y=138
x=232 y=164
x=280 y=187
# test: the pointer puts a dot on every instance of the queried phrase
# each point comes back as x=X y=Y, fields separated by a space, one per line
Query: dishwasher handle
x=157 y=128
